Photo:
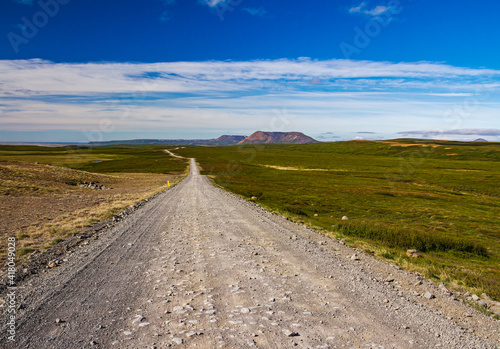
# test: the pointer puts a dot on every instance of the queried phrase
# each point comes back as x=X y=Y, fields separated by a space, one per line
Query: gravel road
x=199 y=267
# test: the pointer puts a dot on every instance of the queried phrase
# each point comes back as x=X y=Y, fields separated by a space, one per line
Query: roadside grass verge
x=41 y=236
x=398 y=195
x=409 y=239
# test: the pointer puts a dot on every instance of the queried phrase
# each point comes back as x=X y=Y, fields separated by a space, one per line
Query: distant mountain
x=277 y=137
x=480 y=140
x=222 y=140
x=228 y=140
x=256 y=137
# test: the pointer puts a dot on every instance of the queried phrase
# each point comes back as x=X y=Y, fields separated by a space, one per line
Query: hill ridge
x=278 y=137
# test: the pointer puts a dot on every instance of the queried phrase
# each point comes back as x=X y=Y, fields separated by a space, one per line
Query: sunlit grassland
x=133 y=159
x=439 y=197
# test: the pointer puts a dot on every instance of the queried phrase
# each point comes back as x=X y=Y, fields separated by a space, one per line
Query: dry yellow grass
x=284 y=168
x=41 y=205
x=396 y=144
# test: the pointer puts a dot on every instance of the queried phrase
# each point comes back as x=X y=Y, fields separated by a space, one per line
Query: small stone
x=58 y=321
x=429 y=295
x=245 y=310
x=355 y=257
x=92 y=343
x=177 y=340
x=475 y=297
x=315 y=215
x=485 y=296
x=289 y=333
x=138 y=318
x=443 y=287
x=345 y=218
x=413 y=253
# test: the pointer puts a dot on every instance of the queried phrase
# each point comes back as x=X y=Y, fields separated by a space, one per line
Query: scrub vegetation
x=441 y=198
x=42 y=204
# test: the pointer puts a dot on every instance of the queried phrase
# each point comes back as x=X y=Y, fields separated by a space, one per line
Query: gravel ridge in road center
x=200 y=267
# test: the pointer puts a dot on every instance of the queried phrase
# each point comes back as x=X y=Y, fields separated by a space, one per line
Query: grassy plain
x=41 y=203
x=439 y=197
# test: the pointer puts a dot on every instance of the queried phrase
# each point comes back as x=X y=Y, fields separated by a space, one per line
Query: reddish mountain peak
x=277 y=137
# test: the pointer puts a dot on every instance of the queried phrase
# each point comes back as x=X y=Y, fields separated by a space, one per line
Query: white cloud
x=378 y=10
x=213 y=3
x=374 y=12
x=32 y=77
x=357 y=9
x=259 y=12
x=463 y=132
x=451 y=94
x=245 y=95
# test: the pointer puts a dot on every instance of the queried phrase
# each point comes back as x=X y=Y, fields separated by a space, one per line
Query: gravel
x=197 y=266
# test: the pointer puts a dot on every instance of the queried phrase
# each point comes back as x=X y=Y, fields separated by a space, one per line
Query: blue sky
x=80 y=71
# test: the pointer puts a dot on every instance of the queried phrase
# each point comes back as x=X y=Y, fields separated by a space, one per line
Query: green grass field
x=440 y=197
x=131 y=159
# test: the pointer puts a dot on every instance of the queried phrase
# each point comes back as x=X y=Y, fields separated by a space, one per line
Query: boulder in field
x=413 y=253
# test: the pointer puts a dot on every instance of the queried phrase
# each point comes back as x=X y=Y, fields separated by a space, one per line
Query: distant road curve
x=174 y=155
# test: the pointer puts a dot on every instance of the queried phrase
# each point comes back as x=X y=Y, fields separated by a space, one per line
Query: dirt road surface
x=197 y=267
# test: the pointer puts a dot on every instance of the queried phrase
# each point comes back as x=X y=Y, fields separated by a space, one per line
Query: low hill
x=228 y=140
x=278 y=137
x=222 y=140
